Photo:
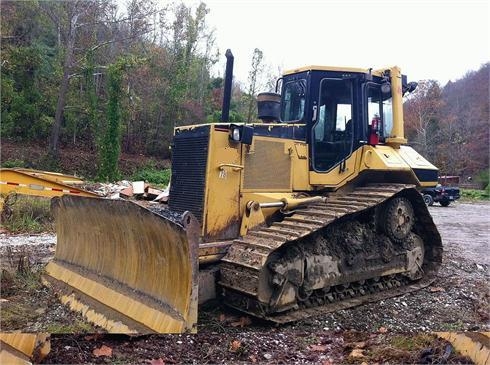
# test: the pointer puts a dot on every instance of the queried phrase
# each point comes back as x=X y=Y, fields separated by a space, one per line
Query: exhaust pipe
x=225 y=110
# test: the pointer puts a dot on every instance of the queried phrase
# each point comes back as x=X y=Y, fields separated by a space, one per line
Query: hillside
x=75 y=161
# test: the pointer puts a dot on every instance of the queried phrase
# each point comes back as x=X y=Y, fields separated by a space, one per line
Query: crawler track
x=247 y=277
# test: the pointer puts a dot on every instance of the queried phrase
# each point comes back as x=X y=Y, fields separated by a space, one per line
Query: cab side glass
x=293 y=101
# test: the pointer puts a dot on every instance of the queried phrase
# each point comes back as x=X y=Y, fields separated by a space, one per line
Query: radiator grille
x=189 y=160
x=268 y=167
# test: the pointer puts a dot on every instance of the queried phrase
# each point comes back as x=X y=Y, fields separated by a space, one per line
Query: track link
x=244 y=266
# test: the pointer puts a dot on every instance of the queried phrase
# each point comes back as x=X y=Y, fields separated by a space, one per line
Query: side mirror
x=410 y=87
x=241 y=133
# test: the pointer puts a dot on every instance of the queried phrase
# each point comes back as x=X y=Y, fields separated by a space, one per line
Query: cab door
x=332 y=157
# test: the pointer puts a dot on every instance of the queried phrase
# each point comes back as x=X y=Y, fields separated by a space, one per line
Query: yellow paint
x=222 y=197
x=268 y=165
x=27 y=347
x=54 y=176
x=156 y=320
x=332 y=68
x=252 y=218
x=397 y=137
x=155 y=256
x=36 y=183
x=336 y=177
x=94 y=317
x=300 y=164
x=478 y=351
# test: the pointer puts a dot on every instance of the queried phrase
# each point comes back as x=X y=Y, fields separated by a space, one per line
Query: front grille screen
x=269 y=167
x=189 y=159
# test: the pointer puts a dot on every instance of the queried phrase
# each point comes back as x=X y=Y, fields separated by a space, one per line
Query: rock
x=357 y=353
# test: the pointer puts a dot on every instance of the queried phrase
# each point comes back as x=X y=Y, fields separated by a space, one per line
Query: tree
x=253 y=76
x=76 y=22
x=422 y=116
x=65 y=16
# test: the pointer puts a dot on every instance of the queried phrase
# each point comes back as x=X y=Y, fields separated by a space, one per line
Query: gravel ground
x=457 y=301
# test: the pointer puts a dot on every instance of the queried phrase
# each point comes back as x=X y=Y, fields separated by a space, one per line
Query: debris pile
x=138 y=190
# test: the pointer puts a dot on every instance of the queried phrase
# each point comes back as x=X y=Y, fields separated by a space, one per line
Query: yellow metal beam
x=54 y=176
x=39 y=183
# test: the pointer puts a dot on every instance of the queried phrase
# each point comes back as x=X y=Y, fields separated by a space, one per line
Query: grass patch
x=20 y=281
x=27 y=214
x=412 y=342
x=152 y=175
x=473 y=194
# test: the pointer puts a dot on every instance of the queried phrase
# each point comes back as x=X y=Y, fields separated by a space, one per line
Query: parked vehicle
x=443 y=195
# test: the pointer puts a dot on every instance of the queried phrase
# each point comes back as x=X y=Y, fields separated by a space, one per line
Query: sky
x=430 y=39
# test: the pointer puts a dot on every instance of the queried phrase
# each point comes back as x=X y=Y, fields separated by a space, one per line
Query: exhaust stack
x=225 y=110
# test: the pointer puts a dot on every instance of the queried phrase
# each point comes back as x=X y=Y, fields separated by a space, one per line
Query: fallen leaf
x=103 y=351
x=320 y=348
x=435 y=289
x=382 y=330
x=157 y=361
x=244 y=321
x=357 y=353
x=253 y=358
x=235 y=345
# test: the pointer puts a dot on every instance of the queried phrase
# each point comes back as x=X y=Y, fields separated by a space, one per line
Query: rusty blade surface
x=124 y=267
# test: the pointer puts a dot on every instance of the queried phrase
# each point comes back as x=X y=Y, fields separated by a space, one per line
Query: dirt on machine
x=314 y=209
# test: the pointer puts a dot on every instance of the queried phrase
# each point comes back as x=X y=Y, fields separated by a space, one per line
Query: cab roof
x=332 y=68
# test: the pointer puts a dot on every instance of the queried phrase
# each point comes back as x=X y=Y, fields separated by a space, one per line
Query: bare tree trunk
x=60 y=105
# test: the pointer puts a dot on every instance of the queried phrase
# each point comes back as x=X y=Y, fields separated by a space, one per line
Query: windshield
x=293 y=103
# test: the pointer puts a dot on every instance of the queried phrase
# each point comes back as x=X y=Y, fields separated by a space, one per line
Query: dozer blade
x=23 y=348
x=124 y=267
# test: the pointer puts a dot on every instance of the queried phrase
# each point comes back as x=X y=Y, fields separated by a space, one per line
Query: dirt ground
x=395 y=330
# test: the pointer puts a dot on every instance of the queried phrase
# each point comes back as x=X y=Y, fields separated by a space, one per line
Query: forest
x=108 y=79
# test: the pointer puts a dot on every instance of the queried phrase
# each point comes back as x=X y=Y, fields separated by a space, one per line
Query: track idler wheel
x=397 y=219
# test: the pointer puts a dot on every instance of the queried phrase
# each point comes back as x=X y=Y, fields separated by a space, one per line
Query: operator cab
x=341 y=110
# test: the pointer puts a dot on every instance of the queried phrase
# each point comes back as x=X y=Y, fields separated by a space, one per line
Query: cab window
x=293 y=102
x=380 y=106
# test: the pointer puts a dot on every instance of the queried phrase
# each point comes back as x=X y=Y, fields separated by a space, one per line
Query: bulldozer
x=314 y=208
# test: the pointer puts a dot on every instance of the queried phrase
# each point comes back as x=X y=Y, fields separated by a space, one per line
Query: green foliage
x=13 y=163
x=483 y=177
x=473 y=194
x=27 y=214
x=152 y=175
x=110 y=144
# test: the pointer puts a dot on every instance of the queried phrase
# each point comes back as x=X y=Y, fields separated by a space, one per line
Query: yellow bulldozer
x=315 y=208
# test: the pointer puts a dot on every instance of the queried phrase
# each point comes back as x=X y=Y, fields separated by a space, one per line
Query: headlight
x=235 y=134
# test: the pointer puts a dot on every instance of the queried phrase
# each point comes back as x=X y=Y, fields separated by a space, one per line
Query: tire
x=445 y=203
x=428 y=200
